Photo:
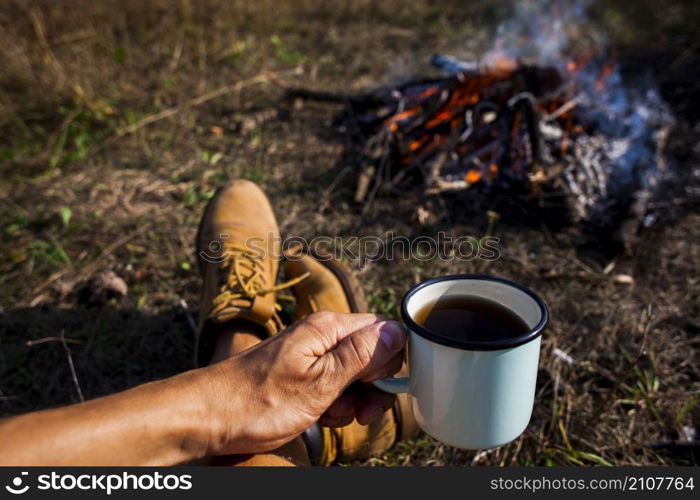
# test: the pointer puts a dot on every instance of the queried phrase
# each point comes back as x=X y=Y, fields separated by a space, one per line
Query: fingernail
x=391 y=335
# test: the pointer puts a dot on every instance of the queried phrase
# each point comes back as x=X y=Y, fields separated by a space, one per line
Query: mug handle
x=392 y=385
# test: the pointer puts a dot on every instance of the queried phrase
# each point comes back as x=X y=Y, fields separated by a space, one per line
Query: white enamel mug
x=471 y=394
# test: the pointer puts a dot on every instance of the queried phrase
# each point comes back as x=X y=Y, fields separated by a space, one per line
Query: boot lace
x=244 y=282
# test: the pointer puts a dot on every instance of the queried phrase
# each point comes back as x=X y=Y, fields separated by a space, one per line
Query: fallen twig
x=92 y=266
x=196 y=101
x=74 y=375
x=326 y=196
x=44 y=340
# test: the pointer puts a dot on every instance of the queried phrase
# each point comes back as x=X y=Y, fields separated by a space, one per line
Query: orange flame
x=504 y=64
x=428 y=92
x=473 y=176
x=439 y=118
x=393 y=120
x=413 y=145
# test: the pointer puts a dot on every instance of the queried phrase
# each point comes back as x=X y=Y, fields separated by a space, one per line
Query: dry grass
x=90 y=182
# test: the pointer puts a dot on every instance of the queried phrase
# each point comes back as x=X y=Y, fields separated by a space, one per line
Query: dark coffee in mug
x=471 y=318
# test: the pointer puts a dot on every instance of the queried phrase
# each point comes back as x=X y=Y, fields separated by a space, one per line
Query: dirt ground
x=119 y=119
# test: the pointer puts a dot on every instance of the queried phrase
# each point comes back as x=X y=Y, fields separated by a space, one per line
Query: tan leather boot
x=238 y=250
x=330 y=286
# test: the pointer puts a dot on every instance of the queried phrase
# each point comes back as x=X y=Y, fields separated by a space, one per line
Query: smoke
x=628 y=119
x=546 y=33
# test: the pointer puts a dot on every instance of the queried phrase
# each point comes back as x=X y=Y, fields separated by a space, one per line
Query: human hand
x=269 y=394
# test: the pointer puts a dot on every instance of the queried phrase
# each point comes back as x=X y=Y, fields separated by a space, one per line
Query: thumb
x=367 y=350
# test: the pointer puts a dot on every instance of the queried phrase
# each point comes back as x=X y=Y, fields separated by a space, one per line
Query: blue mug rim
x=473 y=345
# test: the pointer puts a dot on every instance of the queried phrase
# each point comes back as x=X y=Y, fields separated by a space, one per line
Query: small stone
x=104 y=286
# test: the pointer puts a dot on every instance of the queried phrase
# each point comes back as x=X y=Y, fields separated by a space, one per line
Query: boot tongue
x=258 y=310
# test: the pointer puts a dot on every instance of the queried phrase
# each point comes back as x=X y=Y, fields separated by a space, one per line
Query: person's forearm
x=160 y=423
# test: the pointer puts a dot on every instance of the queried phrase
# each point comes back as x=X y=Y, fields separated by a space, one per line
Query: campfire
x=568 y=128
